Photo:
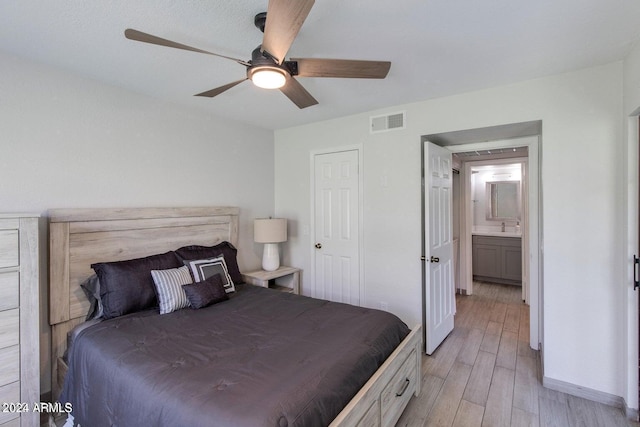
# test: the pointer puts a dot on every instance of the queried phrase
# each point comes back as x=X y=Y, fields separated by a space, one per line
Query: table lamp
x=270 y=231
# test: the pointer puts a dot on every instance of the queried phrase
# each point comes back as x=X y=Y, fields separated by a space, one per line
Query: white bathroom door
x=439 y=293
x=336 y=226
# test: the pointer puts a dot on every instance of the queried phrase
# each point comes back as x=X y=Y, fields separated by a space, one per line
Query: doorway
x=526 y=134
x=495 y=192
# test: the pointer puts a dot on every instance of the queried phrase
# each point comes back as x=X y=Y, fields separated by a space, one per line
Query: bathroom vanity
x=497 y=257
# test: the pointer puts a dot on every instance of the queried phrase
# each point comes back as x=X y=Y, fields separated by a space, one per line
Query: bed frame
x=80 y=237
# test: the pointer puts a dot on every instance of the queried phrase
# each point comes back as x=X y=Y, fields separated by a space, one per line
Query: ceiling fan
x=268 y=68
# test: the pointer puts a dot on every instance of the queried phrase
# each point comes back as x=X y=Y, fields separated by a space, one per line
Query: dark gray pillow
x=204 y=268
x=127 y=286
x=91 y=288
x=226 y=249
x=209 y=291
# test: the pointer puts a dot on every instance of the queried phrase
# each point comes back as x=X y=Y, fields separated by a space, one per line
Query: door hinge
x=636 y=283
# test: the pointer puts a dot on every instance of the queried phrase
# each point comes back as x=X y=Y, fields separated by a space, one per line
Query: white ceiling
x=437 y=47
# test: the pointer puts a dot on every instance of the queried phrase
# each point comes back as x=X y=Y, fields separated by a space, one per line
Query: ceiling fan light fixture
x=268 y=77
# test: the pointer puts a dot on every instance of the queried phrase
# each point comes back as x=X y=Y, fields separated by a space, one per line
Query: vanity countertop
x=497 y=233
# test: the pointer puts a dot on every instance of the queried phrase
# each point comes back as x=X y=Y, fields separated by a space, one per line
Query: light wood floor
x=485 y=373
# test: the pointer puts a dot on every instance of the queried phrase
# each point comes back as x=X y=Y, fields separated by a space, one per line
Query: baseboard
x=584 y=392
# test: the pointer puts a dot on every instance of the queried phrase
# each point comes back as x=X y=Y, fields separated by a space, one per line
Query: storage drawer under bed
x=396 y=394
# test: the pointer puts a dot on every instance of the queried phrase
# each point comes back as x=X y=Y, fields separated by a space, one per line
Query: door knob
x=435 y=259
x=318 y=245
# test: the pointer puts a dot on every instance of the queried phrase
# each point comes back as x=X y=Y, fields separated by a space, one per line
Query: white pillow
x=171 y=296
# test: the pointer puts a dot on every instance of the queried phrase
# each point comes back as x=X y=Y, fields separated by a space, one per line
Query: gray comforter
x=262 y=358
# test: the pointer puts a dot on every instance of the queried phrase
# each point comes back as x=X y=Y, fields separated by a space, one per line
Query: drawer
x=9 y=393
x=497 y=241
x=371 y=418
x=397 y=393
x=9 y=248
x=9 y=327
x=10 y=362
x=9 y=289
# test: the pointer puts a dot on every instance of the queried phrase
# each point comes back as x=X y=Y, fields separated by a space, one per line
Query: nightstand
x=283 y=279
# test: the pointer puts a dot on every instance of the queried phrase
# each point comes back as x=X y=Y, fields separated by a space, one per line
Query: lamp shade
x=270 y=230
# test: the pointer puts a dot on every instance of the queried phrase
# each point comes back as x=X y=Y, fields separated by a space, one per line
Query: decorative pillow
x=91 y=288
x=169 y=283
x=226 y=249
x=209 y=291
x=127 y=286
x=202 y=269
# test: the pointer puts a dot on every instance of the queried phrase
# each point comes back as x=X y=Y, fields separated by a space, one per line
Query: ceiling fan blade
x=298 y=94
x=345 y=68
x=139 y=36
x=217 y=91
x=284 y=19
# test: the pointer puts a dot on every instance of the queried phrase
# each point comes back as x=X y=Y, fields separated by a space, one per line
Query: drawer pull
x=404 y=387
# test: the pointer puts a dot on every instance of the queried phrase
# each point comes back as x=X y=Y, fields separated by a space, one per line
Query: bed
x=292 y=387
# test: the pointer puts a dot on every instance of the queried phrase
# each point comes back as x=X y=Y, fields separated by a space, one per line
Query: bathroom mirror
x=503 y=200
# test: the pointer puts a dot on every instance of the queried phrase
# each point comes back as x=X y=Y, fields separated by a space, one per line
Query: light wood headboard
x=80 y=237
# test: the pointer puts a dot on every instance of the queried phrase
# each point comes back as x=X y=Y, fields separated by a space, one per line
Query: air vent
x=388 y=122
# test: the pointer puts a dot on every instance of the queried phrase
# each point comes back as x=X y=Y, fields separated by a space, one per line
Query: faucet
x=503 y=226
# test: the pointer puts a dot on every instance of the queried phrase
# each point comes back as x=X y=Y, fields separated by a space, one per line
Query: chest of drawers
x=19 y=320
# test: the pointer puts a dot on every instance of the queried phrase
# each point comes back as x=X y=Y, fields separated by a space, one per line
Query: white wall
x=582 y=174
x=69 y=142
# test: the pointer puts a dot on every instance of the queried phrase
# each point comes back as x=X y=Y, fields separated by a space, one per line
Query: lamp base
x=270 y=257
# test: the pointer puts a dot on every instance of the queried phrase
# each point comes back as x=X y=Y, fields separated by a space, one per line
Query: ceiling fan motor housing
x=261 y=59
